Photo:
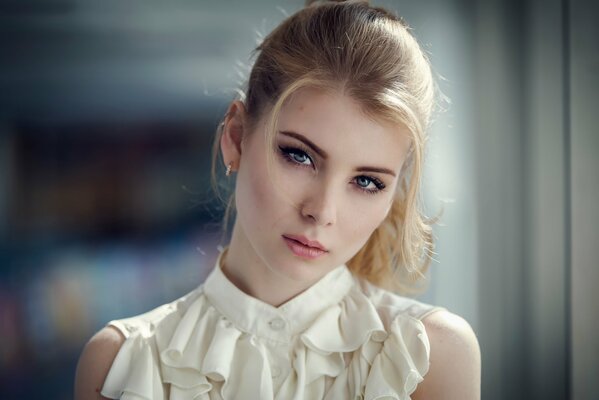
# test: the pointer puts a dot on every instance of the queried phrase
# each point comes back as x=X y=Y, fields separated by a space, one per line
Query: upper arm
x=454 y=371
x=95 y=362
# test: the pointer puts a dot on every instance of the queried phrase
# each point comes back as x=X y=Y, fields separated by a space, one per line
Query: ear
x=233 y=134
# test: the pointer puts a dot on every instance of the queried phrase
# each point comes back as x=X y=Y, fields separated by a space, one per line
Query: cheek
x=362 y=218
x=258 y=202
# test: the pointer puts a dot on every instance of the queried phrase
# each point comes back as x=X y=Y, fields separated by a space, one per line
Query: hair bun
x=311 y=2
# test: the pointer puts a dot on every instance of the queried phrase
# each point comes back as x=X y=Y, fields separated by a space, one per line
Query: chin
x=298 y=269
x=308 y=271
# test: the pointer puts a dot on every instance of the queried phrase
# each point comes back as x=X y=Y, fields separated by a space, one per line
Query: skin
x=323 y=200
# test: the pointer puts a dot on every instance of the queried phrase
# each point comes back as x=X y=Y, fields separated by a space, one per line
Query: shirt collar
x=278 y=323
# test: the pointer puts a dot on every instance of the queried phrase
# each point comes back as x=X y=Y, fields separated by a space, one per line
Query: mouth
x=301 y=249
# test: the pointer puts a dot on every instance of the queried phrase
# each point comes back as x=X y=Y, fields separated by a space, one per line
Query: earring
x=228 y=171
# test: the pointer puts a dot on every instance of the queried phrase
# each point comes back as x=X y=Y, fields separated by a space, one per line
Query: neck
x=248 y=271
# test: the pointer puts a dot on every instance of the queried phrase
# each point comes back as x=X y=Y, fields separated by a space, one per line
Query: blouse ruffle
x=346 y=353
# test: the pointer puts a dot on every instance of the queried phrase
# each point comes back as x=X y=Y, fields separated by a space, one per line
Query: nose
x=320 y=206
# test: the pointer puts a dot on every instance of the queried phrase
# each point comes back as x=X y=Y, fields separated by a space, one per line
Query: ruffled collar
x=219 y=346
x=281 y=323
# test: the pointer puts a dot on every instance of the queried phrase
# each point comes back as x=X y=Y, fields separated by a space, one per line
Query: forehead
x=338 y=124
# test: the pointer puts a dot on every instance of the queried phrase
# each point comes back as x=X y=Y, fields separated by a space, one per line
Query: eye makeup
x=298 y=156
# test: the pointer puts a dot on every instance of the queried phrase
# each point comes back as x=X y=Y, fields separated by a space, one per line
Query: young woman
x=327 y=147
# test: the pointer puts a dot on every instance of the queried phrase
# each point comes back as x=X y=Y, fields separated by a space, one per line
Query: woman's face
x=333 y=181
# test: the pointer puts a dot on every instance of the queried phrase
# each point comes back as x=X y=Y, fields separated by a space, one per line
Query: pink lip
x=306 y=242
x=302 y=250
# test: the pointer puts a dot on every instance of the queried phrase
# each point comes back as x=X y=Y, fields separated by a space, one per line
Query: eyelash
x=288 y=151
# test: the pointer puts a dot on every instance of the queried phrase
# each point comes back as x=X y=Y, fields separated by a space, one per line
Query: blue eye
x=295 y=156
x=300 y=157
x=365 y=181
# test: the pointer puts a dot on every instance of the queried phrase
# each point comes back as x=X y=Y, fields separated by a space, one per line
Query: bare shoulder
x=455 y=369
x=95 y=362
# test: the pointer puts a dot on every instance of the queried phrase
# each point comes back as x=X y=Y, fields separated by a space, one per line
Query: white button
x=275 y=372
x=277 y=324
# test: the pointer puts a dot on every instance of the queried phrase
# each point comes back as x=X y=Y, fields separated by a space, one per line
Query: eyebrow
x=324 y=154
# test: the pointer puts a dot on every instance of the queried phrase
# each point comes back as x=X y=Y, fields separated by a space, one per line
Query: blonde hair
x=369 y=54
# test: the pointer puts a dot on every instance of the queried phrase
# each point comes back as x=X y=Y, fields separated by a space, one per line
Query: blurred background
x=107 y=114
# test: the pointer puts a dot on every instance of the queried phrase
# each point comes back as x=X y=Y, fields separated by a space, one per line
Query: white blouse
x=342 y=338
